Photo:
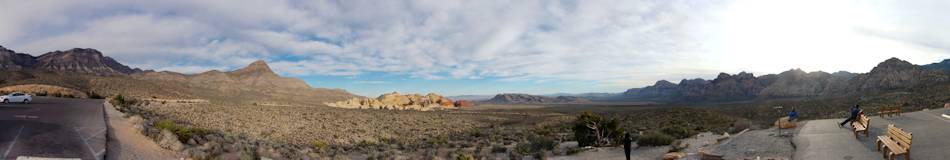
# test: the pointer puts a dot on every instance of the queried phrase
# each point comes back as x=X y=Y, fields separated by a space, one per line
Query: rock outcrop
x=396 y=101
x=517 y=98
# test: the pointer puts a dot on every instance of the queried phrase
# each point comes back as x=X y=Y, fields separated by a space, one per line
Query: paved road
x=822 y=139
x=53 y=127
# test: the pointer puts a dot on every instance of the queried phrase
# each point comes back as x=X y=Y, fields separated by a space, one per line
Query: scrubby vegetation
x=184 y=133
x=122 y=101
x=536 y=145
x=593 y=130
x=678 y=132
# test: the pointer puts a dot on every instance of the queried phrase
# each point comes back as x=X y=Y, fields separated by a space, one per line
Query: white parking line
x=87 y=144
x=940 y=117
x=94 y=135
x=5 y=153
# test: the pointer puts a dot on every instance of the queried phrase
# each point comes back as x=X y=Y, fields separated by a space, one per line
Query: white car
x=16 y=97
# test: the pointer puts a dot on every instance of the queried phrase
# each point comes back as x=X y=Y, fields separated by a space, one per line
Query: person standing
x=854 y=114
x=627 y=144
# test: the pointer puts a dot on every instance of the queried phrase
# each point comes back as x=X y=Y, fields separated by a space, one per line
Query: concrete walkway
x=823 y=139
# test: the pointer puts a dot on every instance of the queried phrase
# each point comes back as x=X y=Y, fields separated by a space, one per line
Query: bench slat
x=894 y=147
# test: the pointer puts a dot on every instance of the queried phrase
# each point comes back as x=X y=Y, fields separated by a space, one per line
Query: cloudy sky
x=487 y=46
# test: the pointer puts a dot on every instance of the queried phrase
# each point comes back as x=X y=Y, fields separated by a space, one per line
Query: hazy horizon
x=487 y=47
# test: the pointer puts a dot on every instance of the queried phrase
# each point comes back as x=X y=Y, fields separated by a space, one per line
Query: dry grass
x=44 y=90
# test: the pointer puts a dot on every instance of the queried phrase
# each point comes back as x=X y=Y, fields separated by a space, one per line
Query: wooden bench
x=895 y=142
x=861 y=124
x=889 y=111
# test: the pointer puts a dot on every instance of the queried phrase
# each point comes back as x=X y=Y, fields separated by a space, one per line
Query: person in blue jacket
x=793 y=115
x=854 y=114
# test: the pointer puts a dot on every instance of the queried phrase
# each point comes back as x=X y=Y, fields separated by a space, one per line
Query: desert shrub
x=436 y=141
x=319 y=144
x=593 y=130
x=183 y=132
x=120 y=100
x=655 y=139
x=678 y=132
x=464 y=156
x=535 y=145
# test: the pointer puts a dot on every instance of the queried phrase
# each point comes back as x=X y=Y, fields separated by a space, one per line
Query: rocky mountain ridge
x=888 y=75
x=90 y=71
x=256 y=74
x=76 y=60
x=517 y=98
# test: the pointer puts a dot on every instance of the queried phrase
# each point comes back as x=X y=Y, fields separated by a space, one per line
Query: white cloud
x=616 y=43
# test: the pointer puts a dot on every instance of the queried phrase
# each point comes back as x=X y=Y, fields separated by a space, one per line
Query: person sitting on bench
x=793 y=115
x=854 y=114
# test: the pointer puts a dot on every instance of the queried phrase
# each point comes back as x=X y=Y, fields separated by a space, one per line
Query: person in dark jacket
x=854 y=114
x=627 y=144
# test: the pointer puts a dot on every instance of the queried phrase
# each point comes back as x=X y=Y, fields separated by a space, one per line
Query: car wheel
x=26 y=101
x=6 y=101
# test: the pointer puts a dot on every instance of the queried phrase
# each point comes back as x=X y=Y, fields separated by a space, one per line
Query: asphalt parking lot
x=53 y=128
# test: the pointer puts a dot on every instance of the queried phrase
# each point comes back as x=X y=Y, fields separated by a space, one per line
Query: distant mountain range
x=892 y=74
x=517 y=98
x=88 y=70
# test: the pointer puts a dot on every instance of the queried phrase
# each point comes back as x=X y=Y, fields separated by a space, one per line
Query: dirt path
x=125 y=142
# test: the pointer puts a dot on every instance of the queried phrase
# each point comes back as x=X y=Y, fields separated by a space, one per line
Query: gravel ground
x=766 y=143
x=616 y=153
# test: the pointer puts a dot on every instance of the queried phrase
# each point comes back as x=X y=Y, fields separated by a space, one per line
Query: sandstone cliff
x=396 y=101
